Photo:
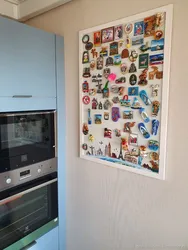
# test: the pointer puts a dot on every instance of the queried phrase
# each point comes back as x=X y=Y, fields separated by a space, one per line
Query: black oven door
x=26 y=138
x=26 y=208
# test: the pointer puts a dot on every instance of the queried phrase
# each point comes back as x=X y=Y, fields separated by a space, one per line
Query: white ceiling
x=25 y=9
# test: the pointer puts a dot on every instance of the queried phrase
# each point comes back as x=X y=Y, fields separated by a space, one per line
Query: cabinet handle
x=22 y=96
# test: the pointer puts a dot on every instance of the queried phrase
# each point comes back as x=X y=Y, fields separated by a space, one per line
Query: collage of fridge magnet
x=124 y=85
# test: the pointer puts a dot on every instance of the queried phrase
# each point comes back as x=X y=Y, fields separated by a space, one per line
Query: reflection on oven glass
x=24 y=131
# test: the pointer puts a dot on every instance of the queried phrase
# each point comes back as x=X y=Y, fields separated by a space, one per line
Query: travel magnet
x=86 y=99
x=155 y=108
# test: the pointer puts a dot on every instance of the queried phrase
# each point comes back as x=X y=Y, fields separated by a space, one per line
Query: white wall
x=110 y=209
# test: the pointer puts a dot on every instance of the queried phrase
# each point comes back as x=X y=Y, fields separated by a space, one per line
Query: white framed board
x=124 y=69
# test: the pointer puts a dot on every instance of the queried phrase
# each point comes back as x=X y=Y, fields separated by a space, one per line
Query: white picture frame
x=168 y=9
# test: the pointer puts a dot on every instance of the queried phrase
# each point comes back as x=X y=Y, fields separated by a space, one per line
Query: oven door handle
x=19 y=195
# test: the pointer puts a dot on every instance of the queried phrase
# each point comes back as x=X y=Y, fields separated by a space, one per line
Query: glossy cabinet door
x=27 y=61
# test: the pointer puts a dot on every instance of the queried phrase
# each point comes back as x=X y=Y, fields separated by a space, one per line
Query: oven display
x=25 y=173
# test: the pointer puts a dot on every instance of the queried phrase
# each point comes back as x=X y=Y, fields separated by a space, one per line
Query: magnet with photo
x=137 y=40
x=156 y=59
x=113 y=48
x=138 y=28
x=143 y=61
x=85 y=57
x=97 y=38
x=157 y=45
x=107 y=35
x=133 y=91
x=118 y=32
x=128 y=28
x=117 y=60
x=149 y=26
x=133 y=139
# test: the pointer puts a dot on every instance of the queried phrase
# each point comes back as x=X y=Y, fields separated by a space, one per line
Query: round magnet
x=85 y=39
x=128 y=28
x=123 y=68
x=133 y=79
x=86 y=99
x=158 y=34
x=89 y=46
x=84 y=146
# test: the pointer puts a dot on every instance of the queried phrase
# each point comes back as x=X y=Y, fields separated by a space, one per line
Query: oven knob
x=39 y=170
x=8 y=180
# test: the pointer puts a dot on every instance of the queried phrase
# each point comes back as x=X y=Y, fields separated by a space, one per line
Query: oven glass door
x=26 y=138
x=26 y=208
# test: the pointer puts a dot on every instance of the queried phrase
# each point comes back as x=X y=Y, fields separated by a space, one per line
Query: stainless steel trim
x=30 y=245
x=55 y=133
x=27 y=113
x=27 y=191
x=12 y=178
x=21 y=96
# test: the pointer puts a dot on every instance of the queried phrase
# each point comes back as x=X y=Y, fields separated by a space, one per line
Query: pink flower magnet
x=111 y=77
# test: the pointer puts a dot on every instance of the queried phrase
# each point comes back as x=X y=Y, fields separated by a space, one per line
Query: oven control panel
x=22 y=175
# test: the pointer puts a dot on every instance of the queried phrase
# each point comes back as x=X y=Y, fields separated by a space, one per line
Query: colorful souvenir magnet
x=97 y=38
x=85 y=57
x=117 y=60
x=115 y=114
x=155 y=89
x=158 y=34
x=149 y=26
x=100 y=63
x=155 y=108
x=155 y=126
x=155 y=166
x=84 y=146
x=100 y=105
x=92 y=65
x=145 y=47
x=105 y=91
x=160 y=19
x=94 y=53
x=115 y=89
x=89 y=117
x=153 y=73
x=138 y=28
x=89 y=46
x=157 y=45
x=156 y=59
x=94 y=103
x=127 y=114
x=133 y=139
x=124 y=53
x=113 y=48
x=85 y=129
x=86 y=99
x=118 y=31
x=128 y=28
x=107 y=105
x=144 y=115
x=143 y=78
x=104 y=51
x=120 y=80
x=106 y=72
x=117 y=132
x=136 y=104
x=115 y=99
x=124 y=144
x=106 y=116
x=133 y=91
x=128 y=42
x=86 y=72
x=121 y=90
x=99 y=89
x=109 y=61
x=144 y=97
x=133 y=56
x=154 y=156
x=143 y=130
x=121 y=42
x=91 y=138
x=133 y=79
x=98 y=119
x=85 y=87
x=85 y=39
x=143 y=151
x=128 y=126
x=132 y=68
x=125 y=102
x=153 y=145
x=137 y=40
x=107 y=35
x=107 y=133
x=143 y=61
x=140 y=159
x=123 y=68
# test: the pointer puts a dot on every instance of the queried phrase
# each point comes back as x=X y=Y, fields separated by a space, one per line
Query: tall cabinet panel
x=27 y=61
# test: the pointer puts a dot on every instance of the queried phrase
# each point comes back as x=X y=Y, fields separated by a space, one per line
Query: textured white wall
x=110 y=209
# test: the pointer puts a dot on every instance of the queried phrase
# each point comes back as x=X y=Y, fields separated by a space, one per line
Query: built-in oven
x=26 y=208
x=27 y=146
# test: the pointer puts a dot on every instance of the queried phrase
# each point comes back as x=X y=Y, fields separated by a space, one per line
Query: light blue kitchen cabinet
x=27 y=61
